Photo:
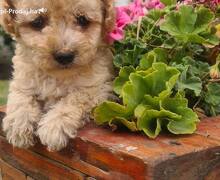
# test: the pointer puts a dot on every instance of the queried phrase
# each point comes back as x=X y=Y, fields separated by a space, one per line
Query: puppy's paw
x=20 y=136
x=54 y=137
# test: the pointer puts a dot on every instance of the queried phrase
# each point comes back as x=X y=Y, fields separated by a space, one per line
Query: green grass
x=3 y=92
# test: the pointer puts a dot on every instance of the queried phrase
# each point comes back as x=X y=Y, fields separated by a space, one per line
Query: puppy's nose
x=64 y=58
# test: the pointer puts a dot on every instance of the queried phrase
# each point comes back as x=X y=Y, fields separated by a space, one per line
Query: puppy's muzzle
x=64 y=58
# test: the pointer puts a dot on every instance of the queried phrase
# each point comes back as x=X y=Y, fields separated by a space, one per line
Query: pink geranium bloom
x=116 y=34
x=215 y=2
x=137 y=9
x=129 y=14
x=122 y=19
x=154 y=4
x=126 y=15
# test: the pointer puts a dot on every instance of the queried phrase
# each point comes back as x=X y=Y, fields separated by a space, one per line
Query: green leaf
x=212 y=95
x=204 y=17
x=155 y=14
x=134 y=91
x=211 y=39
x=122 y=78
x=173 y=111
x=169 y=43
x=188 y=24
x=154 y=102
x=107 y=111
x=129 y=124
x=187 y=123
x=151 y=121
x=181 y=127
x=147 y=61
x=196 y=68
x=156 y=55
x=180 y=22
x=139 y=110
x=163 y=78
x=189 y=82
x=195 y=38
x=130 y=50
x=192 y=73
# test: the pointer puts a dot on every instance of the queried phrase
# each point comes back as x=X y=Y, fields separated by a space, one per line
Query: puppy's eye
x=82 y=21
x=39 y=23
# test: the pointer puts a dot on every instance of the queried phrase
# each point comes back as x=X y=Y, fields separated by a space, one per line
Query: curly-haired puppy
x=62 y=68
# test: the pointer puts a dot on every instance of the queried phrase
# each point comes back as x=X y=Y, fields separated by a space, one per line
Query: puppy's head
x=65 y=37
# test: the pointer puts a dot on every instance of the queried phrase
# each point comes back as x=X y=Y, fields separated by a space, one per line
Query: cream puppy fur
x=62 y=68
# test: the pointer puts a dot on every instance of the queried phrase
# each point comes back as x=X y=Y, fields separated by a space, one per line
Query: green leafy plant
x=148 y=101
x=190 y=25
x=166 y=72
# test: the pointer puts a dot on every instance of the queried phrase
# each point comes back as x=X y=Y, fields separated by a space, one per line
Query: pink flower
x=129 y=14
x=116 y=35
x=124 y=16
x=154 y=4
x=215 y=2
x=137 y=9
x=122 y=19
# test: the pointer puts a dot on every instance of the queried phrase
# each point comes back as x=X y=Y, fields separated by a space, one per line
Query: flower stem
x=139 y=27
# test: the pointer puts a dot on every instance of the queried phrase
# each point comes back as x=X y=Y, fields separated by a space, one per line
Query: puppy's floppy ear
x=7 y=20
x=109 y=15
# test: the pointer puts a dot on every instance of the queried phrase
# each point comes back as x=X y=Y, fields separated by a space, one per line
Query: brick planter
x=98 y=153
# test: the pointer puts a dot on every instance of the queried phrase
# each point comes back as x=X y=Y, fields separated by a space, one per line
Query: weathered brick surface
x=99 y=153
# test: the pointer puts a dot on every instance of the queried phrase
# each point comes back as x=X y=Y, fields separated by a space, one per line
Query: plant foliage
x=168 y=71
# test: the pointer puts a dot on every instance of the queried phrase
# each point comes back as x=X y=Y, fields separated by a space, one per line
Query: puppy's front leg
x=23 y=112
x=61 y=123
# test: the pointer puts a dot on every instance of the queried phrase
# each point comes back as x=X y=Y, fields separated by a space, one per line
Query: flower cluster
x=154 y=4
x=129 y=14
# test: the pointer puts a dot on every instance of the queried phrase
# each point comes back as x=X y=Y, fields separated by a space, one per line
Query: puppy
x=62 y=68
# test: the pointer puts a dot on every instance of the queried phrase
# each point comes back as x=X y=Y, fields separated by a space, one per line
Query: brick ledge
x=102 y=154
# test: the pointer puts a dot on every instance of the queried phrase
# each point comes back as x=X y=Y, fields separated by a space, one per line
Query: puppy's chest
x=49 y=88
